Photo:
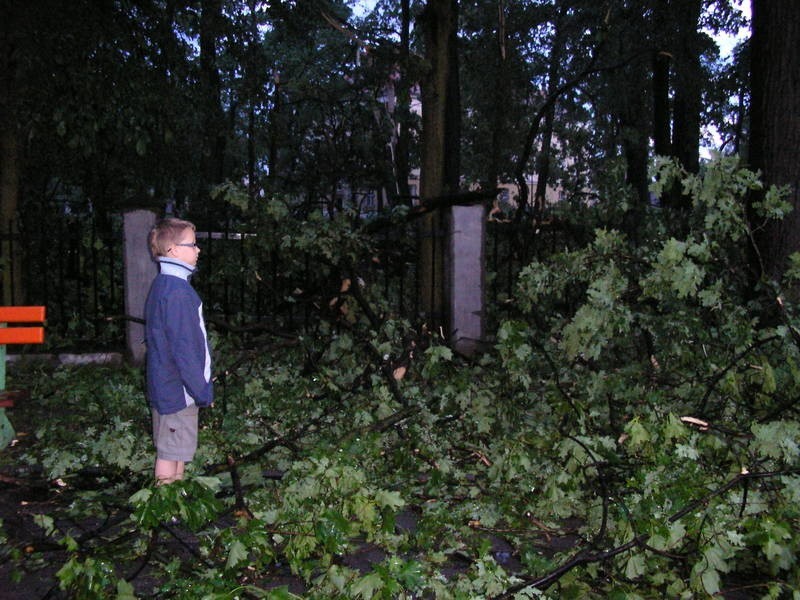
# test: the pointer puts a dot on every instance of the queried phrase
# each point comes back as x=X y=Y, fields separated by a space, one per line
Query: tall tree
x=775 y=123
x=543 y=161
x=440 y=164
x=214 y=127
x=9 y=147
x=503 y=55
x=403 y=127
x=688 y=84
x=678 y=85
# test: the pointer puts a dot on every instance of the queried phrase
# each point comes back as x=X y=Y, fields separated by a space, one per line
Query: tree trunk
x=543 y=162
x=677 y=88
x=499 y=95
x=439 y=171
x=401 y=162
x=274 y=117
x=688 y=83
x=253 y=88
x=775 y=123
x=635 y=127
x=662 y=138
x=213 y=118
x=634 y=118
x=10 y=253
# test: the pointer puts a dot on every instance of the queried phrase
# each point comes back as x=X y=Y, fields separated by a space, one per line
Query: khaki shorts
x=175 y=435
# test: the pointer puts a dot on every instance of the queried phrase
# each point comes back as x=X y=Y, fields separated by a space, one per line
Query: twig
x=151 y=546
x=241 y=504
x=386 y=370
x=718 y=377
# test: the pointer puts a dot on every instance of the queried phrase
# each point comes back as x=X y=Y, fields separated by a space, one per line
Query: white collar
x=175 y=267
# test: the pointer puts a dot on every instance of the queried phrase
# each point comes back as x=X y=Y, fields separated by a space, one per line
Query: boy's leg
x=176 y=436
x=166 y=471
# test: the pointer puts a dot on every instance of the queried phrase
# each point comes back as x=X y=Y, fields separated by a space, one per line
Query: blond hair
x=166 y=233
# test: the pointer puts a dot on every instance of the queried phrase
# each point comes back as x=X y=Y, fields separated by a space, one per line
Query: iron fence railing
x=73 y=266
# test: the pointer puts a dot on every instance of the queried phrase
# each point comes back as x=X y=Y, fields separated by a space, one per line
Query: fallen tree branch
x=387 y=370
x=584 y=557
x=427 y=205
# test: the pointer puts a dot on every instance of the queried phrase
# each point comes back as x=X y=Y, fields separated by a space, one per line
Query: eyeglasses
x=189 y=245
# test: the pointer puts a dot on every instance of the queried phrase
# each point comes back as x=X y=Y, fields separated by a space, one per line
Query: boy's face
x=186 y=248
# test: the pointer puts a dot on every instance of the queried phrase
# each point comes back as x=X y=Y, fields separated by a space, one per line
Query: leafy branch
x=583 y=557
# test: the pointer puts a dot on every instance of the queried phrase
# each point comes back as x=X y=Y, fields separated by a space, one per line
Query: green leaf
x=333 y=530
x=141 y=496
x=46 y=522
x=367 y=586
x=777 y=439
x=409 y=574
x=125 y=591
x=237 y=555
x=389 y=499
x=716 y=558
x=711 y=581
x=211 y=483
x=687 y=451
x=635 y=566
x=637 y=432
x=677 y=532
x=791 y=485
x=280 y=593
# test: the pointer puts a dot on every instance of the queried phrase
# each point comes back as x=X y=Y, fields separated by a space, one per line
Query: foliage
x=292 y=98
x=155 y=105
x=633 y=434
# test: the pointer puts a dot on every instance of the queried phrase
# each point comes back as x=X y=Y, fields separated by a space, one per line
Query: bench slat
x=22 y=314
x=21 y=335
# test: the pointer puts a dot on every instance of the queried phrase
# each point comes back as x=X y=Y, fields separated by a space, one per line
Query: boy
x=178 y=358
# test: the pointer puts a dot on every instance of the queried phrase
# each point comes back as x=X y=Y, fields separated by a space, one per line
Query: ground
x=26 y=493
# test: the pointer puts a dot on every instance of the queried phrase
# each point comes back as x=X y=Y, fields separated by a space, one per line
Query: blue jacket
x=178 y=359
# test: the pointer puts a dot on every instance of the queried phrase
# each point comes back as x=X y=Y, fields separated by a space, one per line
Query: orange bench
x=32 y=333
x=22 y=314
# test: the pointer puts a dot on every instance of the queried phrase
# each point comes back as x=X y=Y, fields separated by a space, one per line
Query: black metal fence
x=73 y=265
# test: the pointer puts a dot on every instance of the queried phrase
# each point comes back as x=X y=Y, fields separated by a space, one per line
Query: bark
x=688 y=85
x=662 y=139
x=635 y=147
x=543 y=166
x=440 y=152
x=9 y=158
x=677 y=88
x=274 y=117
x=9 y=197
x=775 y=124
x=634 y=118
x=213 y=118
x=499 y=95
x=401 y=162
x=253 y=89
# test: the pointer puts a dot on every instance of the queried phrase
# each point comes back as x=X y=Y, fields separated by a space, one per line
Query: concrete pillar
x=140 y=270
x=466 y=278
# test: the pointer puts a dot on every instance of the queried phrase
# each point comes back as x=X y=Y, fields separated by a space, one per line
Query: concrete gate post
x=140 y=270
x=466 y=278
